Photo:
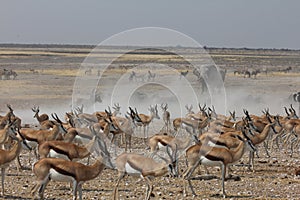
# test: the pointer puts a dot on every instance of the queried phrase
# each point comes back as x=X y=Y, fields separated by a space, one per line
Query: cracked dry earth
x=274 y=178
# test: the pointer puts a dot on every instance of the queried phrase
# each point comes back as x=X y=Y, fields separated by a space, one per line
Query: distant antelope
x=33 y=71
x=197 y=73
x=285 y=70
x=136 y=77
x=88 y=71
x=247 y=74
x=239 y=72
x=151 y=76
x=254 y=73
x=183 y=74
x=166 y=116
x=6 y=74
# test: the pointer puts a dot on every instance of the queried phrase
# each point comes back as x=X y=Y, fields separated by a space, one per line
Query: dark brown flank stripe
x=61 y=171
x=132 y=166
x=212 y=157
x=30 y=139
x=162 y=142
x=60 y=151
x=220 y=143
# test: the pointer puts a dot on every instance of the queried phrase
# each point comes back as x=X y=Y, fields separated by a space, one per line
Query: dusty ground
x=46 y=78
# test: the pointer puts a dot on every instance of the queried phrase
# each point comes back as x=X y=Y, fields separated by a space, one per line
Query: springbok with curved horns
x=58 y=169
x=10 y=116
x=147 y=119
x=166 y=116
x=34 y=137
x=139 y=165
x=65 y=150
x=215 y=156
x=177 y=122
x=40 y=118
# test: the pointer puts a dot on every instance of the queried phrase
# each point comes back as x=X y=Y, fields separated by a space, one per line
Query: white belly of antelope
x=205 y=161
x=56 y=176
x=130 y=170
x=160 y=145
x=54 y=154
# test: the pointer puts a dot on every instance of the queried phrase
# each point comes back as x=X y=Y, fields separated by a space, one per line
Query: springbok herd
x=215 y=140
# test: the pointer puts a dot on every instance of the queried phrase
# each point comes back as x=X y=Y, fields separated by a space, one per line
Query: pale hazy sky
x=218 y=23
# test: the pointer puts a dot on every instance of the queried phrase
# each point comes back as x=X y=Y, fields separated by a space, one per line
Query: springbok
x=125 y=127
x=166 y=116
x=117 y=111
x=290 y=129
x=296 y=141
x=10 y=116
x=214 y=156
x=139 y=165
x=41 y=118
x=195 y=126
x=34 y=137
x=151 y=76
x=257 y=138
x=156 y=142
x=8 y=130
x=65 y=150
x=136 y=77
x=84 y=135
x=7 y=156
x=147 y=119
x=183 y=74
x=58 y=169
x=39 y=136
x=177 y=121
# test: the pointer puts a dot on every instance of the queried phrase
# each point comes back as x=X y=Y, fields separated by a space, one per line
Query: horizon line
x=35 y=45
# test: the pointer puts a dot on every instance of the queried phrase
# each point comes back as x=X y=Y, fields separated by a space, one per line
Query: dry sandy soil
x=46 y=76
